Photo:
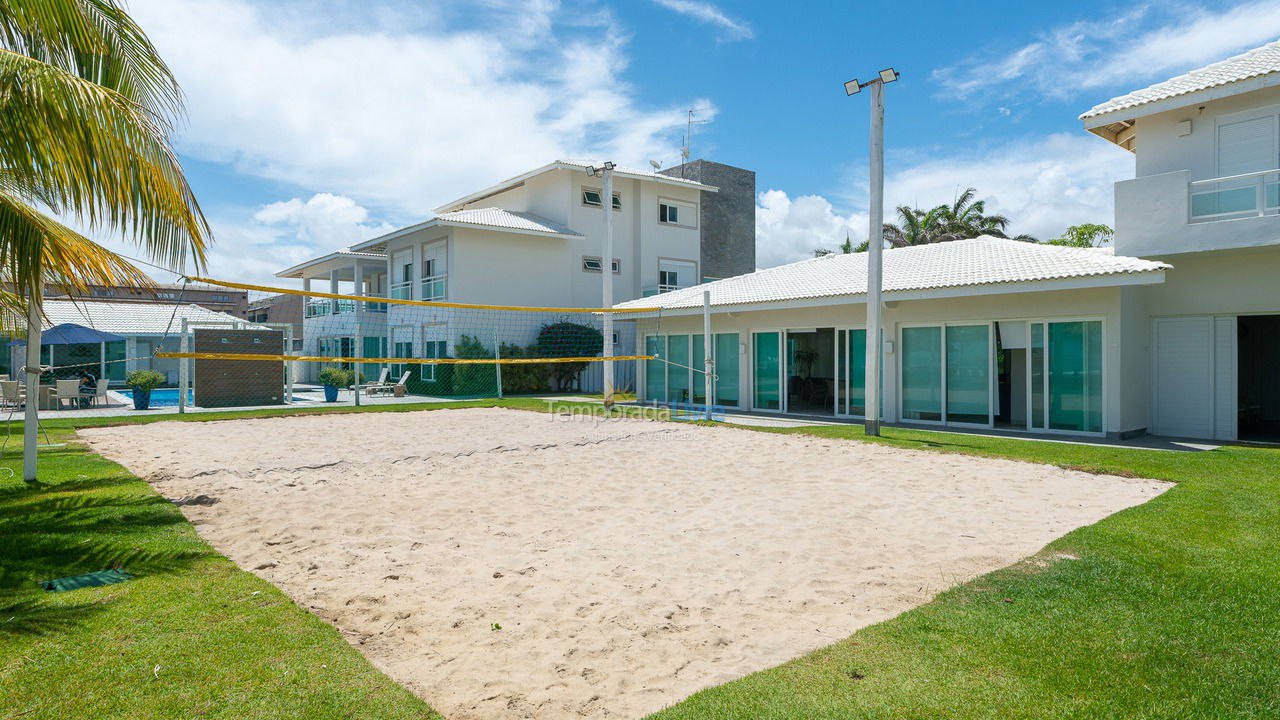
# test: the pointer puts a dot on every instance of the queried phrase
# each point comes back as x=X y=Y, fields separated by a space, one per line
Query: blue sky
x=316 y=124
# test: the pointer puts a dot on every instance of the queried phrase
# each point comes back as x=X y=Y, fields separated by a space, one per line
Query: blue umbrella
x=72 y=334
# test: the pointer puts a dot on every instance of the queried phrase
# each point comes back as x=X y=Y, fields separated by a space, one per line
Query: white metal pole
x=31 y=417
x=875 y=245
x=183 y=347
x=708 y=364
x=288 y=364
x=358 y=350
x=606 y=269
x=497 y=367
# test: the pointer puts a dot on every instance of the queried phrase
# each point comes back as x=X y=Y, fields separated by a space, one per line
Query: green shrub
x=337 y=377
x=473 y=380
x=524 y=378
x=568 y=339
x=144 y=380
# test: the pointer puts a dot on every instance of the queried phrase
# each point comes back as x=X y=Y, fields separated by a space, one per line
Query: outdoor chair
x=401 y=387
x=100 y=392
x=12 y=394
x=68 y=390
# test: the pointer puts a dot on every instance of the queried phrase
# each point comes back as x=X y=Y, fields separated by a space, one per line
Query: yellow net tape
x=420 y=303
x=395 y=361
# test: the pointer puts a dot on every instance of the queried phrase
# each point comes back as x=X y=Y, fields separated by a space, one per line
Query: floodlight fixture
x=609 y=165
x=852 y=87
x=592 y=171
x=888 y=75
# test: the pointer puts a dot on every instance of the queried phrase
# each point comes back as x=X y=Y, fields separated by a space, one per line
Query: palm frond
x=97 y=41
x=91 y=153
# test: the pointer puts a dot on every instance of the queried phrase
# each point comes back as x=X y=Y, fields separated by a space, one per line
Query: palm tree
x=964 y=218
x=86 y=108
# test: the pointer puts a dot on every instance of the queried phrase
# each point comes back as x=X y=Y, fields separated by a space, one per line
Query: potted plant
x=333 y=378
x=143 y=382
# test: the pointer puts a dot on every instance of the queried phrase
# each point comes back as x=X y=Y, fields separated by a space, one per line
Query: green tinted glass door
x=922 y=373
x=969 y=374
x=726 y=357
x=114 y=355
x=1037 y=375
x=857 y=372
x=1075 y=376
x=678 y=368
x=655 y=371
x=766 y=367
x=699 y=370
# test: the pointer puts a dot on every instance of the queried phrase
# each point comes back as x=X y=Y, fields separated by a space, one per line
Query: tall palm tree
x=86 y=109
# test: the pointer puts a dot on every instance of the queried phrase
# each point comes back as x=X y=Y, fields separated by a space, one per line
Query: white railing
x=318 y=308
x=435 y=287
x=401 y=291
x=1248 y=195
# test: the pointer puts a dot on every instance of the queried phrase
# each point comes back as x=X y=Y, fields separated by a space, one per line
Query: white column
x=708 y=364
x=183 y=345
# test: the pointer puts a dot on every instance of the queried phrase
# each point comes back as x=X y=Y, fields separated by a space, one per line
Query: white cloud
x=1042 y=184
x=791 y=229
x=328 y=221
x=397 y=108
x=708 y=13
x=1150 y=42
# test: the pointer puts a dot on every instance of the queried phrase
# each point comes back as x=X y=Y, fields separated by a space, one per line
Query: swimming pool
x=168 y=397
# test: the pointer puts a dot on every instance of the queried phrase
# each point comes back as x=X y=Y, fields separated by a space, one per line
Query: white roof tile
x=499 y=218
x=980 y=261
x=129 y=318
x=1259 y=61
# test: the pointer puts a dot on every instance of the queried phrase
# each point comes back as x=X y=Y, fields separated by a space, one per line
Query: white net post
x=497 y=368
x=708 y=364
x=606 y=270
x=288 y=365
x=184 y=346
x=31 y=418
x=358 y=344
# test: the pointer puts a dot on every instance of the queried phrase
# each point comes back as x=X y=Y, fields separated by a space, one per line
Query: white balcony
x=1168 y=214
x=435 y=288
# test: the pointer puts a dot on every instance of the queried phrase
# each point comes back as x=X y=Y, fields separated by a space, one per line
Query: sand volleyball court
x=512 y=564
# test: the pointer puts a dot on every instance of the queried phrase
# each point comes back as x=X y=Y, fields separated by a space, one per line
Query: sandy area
x=509 y=564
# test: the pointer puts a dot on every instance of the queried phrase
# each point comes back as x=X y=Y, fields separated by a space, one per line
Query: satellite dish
x=656 y=165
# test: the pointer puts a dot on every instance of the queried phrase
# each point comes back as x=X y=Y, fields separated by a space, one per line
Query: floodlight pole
x=30 y=418
x=875 y=244
x=871 y=424
x=606 y=270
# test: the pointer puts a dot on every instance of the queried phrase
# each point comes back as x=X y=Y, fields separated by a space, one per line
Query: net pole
x=359 y=339
x=183 y=380
x=606 y=270
x=31 y=417
x=288 y=364
x=708 y=365
x=497 y=368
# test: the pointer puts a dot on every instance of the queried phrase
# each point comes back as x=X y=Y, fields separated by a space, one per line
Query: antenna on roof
x=656 y=165
x=688 y=137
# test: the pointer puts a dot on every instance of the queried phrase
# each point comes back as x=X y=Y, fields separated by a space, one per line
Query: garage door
x=1183 y=392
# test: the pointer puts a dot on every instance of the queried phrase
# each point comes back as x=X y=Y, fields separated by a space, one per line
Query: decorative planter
x=331 y=393
x=141 y=399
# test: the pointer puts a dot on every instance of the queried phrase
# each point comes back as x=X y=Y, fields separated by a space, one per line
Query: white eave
x=574 y=165
x=346 y=256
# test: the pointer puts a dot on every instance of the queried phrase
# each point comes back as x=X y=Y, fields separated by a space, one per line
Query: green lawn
x=1172 y=609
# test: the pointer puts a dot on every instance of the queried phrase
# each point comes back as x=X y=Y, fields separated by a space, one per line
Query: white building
x=531 y=240
x=1174 y=331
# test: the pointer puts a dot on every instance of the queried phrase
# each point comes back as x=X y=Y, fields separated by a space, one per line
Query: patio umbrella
x=72 y=334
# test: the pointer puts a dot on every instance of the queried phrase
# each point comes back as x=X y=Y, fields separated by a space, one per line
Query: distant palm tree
x=86 y=108
x=965 y=218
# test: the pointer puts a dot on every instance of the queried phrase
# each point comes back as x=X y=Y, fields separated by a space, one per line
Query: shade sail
x=73 y=334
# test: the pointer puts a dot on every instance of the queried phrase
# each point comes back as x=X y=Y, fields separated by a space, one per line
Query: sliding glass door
x=1065 y=376
x=655 y=371
x=766 y=370
x=922 y=374
x=946 y=374
x=678 y=368
x=726 y=359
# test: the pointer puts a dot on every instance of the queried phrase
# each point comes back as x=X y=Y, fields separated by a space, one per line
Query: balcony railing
x=401 y=291
x=435 y=287
x=650 y=290
x=329 y=306
x=1236 y=196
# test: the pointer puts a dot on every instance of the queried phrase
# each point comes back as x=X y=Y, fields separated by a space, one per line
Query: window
x=402 y=350
x=591 y=263
x=406 y=272
x=220 y=299
x=433 y=349
x=668 y=213
x=677 y=212
x=166 y=296
x=591 y=198
x=668 y=280
x=676 y=274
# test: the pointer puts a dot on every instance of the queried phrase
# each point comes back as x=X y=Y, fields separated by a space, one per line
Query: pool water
x=168 y=397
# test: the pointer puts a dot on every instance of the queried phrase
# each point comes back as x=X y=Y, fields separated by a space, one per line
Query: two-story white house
x=530 y=240
x=1173 y=331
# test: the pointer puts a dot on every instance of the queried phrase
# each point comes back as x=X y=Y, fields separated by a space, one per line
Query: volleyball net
x=389 y=343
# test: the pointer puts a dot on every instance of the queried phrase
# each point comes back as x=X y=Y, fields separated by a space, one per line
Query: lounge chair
x=398 y=388
x=68 y=390
x=373 y=388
